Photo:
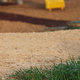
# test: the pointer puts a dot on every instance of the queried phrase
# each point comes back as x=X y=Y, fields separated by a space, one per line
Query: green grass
x=63 y=71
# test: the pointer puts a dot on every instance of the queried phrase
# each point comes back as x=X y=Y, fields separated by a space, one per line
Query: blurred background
x=32 y=16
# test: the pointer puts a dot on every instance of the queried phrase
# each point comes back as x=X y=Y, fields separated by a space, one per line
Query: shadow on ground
x=32 y=20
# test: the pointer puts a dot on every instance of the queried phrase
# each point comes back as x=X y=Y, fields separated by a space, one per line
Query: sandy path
x=22 y=50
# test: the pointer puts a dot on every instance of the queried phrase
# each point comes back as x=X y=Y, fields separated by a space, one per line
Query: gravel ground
x=22 y=50
x=30 y=46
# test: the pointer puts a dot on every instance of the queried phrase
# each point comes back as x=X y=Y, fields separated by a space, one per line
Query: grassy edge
x=63 y=71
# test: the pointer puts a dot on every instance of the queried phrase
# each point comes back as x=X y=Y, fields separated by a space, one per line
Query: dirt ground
x=33 y=17
x=31 y=46
x=22 y=50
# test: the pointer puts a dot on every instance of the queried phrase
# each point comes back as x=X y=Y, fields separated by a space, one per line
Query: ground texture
x=36 y=48
x=32 y=16
x=22 y=50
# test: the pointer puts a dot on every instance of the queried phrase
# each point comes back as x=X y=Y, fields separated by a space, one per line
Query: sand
x=23 y=42
x=22 y=50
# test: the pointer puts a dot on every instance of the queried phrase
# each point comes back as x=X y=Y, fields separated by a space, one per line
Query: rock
x=56 y=28
x=74 y=25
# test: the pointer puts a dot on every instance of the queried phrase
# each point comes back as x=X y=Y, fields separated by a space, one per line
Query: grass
x=63 y=71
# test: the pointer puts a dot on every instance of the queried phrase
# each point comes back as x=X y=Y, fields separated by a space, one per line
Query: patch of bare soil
x=22 y=50
x=33 y=17
x=19 y=50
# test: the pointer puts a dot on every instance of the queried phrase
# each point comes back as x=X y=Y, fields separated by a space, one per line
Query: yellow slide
x=51 y=4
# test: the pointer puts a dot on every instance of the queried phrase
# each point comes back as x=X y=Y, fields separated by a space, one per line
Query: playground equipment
x=50 y=4
x=4 y=0
x=18 y=1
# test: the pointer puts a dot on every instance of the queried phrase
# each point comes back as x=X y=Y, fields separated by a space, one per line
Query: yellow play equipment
x=51 y=4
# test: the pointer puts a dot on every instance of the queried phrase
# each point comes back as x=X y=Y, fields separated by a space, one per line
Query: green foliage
x=63 y=71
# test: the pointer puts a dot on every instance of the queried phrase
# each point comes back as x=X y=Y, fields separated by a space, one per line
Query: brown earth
x=33 y=17
x=22 y=50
